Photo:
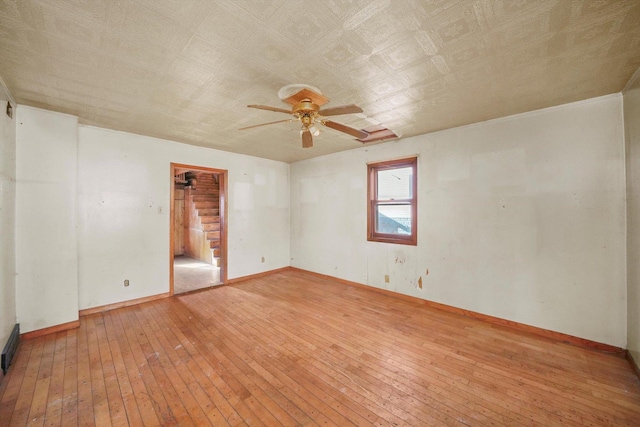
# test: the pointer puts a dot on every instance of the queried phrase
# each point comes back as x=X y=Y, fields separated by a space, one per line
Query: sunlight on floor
x=190 y=274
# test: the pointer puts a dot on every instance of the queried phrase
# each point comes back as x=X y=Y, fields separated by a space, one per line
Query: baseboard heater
x=10 y=348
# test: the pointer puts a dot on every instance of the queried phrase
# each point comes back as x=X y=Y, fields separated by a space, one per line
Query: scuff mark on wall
x=420 y=282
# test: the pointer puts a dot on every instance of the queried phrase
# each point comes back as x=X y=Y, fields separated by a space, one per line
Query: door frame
x=223 y=181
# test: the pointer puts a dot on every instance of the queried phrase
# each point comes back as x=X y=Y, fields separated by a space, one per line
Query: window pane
x=395 y=184
x=392 y=205
x=393 y=219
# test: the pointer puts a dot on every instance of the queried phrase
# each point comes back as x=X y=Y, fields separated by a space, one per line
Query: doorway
x=198 y=231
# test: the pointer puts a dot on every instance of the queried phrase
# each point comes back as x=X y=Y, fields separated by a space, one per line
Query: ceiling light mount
x=289 y=90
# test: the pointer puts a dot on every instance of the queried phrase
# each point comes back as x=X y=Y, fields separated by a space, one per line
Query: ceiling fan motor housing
x=306 y=111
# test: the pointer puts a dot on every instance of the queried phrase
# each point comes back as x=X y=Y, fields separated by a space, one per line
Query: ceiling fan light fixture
x=314 y=130
x=306 y=108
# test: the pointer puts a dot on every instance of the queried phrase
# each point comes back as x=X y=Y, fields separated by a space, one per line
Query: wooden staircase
x=203 y=196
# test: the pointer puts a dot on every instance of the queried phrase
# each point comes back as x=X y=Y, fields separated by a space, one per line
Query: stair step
x=212 y=226
x=215 y=250
x=208 y=183
x=215 y=245
x=213 y=235
x=205 y=192
x=204 y=198
x=209 y=219
x=208 y=212
x=206 y=205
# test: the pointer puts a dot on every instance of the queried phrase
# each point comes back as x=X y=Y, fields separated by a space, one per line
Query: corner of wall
x=7 y=217
x=46 y=189
x=631 y=115
x=632 y=81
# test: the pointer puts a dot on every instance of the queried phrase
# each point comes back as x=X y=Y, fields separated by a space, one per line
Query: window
x=393 y=201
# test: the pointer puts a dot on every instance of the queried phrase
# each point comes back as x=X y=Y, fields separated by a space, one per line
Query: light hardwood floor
x=294 y=349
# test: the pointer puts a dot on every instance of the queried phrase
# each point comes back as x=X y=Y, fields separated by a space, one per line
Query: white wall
x=7 y=223
x=46 y=234
x=522 y=218
x=93 y=209
x=124 y=205
x=632 y=137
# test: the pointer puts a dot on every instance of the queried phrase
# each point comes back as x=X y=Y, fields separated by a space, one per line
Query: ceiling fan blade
x=266 y=107
x=343 y=109
x=346 y=129
x=307 y=139
x=270 y=123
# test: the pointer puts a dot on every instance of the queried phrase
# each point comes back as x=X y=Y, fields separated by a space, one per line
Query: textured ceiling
x=185 y=70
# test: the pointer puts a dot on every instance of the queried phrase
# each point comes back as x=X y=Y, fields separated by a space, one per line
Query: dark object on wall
x=10 y=348
x=9 y=110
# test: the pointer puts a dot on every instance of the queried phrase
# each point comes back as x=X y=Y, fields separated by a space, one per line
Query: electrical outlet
x=262 y=259
x=386 y=278
x=126 y=282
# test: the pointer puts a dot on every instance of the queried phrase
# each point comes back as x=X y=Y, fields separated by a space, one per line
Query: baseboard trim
x=50 y=330
x=257 y=275
x=360 y=285
x=107 y=307
x=557 y=336
x=632 y=363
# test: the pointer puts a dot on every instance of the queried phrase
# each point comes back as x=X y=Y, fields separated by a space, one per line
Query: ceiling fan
x=306 y=108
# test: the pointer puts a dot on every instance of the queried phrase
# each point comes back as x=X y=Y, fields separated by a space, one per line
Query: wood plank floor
x=292 y=349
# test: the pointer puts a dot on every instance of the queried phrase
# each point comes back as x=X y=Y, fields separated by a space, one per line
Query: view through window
x=392 y=205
